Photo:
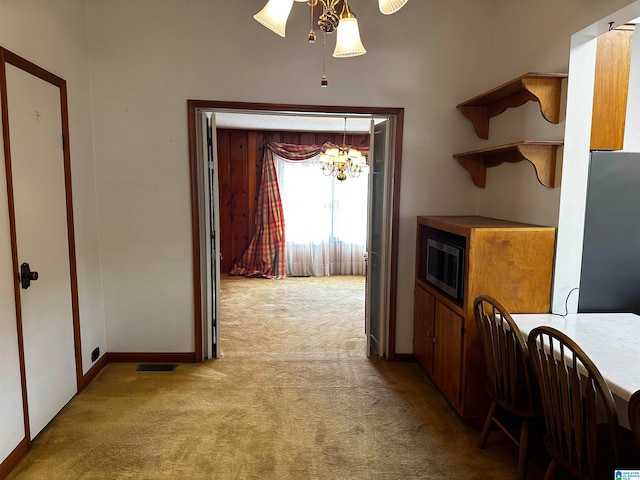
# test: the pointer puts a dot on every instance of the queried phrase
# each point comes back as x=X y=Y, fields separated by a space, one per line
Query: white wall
x=150 y=56
x=52 y=34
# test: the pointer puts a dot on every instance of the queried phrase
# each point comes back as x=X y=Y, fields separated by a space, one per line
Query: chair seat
x=521 y=411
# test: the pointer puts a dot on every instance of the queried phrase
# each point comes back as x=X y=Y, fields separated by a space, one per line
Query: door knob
x=27 y=276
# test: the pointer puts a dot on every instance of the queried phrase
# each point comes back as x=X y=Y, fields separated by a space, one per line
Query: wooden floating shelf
x=542 y=155
x=544 y=88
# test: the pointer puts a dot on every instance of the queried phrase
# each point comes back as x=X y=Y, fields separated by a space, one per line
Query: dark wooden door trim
x=193 y=105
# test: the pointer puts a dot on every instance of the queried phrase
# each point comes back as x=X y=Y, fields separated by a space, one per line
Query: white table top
x=611 y=340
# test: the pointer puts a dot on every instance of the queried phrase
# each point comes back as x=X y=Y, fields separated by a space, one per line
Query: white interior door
x=211 y=236
x=377 y=289
x=37 y=159
x=12 y=428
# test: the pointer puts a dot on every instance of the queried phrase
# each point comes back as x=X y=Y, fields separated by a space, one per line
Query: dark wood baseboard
x=135 y=357
x=402 y=357
x=151 y=357
x=14 y=458
x=95 y=370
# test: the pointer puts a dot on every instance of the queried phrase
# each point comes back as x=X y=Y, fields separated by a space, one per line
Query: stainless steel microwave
x=445 y=264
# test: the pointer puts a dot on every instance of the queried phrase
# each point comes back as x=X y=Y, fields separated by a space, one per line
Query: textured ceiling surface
x=294 y=122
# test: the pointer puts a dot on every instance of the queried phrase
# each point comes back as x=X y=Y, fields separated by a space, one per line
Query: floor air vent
x=156 y=367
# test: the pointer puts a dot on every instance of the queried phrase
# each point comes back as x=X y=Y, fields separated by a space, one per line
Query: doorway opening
x=381 y=294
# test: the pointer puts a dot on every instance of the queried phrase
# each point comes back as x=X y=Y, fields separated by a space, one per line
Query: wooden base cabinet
x=510 y=261
x=447 y=352
x=424 y=328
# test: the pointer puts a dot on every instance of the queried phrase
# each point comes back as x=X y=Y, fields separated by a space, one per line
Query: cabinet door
x=448 y=352
x=423 y=328
x=611 y=86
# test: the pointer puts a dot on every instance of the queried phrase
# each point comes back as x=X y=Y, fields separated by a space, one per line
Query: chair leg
x=487 y=425
x=523 y=450
x=551 y=470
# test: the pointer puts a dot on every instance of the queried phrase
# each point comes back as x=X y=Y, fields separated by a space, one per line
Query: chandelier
x=344 y=160
x=275 y=14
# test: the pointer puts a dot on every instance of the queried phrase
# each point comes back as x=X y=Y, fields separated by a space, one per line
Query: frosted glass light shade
x=391 y=6
x=332 y=152
x=348 y=43
x=274 y=15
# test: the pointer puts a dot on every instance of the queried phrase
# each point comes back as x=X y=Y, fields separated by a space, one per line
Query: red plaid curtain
x=265 y=256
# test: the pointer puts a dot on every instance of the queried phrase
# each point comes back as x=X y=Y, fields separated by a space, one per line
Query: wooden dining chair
x=571 y=386
x=634 y=417
x=510 y=382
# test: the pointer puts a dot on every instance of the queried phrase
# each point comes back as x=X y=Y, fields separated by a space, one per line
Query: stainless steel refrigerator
x=610 y=278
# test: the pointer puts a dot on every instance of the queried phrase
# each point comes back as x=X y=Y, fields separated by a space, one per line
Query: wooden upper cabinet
x=611 y=86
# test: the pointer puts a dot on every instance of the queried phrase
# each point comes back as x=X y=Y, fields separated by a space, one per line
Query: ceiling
x=296 y=122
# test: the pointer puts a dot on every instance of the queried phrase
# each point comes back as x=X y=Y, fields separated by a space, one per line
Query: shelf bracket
x=479 y=117
x=543 y=159
x=476 y=168
x=547 y=91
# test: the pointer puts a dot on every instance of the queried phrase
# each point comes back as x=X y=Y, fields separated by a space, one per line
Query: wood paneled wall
x=240 y=154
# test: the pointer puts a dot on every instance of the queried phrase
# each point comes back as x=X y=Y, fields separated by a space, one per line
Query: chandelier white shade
x=274 y=15
x=391 y=6
x=323 y=15
x=348 y=43
x=342 y=161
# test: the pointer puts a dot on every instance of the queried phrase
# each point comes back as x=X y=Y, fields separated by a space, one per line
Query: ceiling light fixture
x=275 y=14
x=340 y=161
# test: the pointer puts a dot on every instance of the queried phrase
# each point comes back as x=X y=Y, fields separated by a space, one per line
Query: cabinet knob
x=435 y=340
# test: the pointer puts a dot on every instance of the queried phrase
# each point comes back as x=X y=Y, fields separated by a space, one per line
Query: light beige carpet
x=294 y=397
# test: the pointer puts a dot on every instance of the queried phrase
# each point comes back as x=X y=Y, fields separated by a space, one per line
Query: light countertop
x=611 y=340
